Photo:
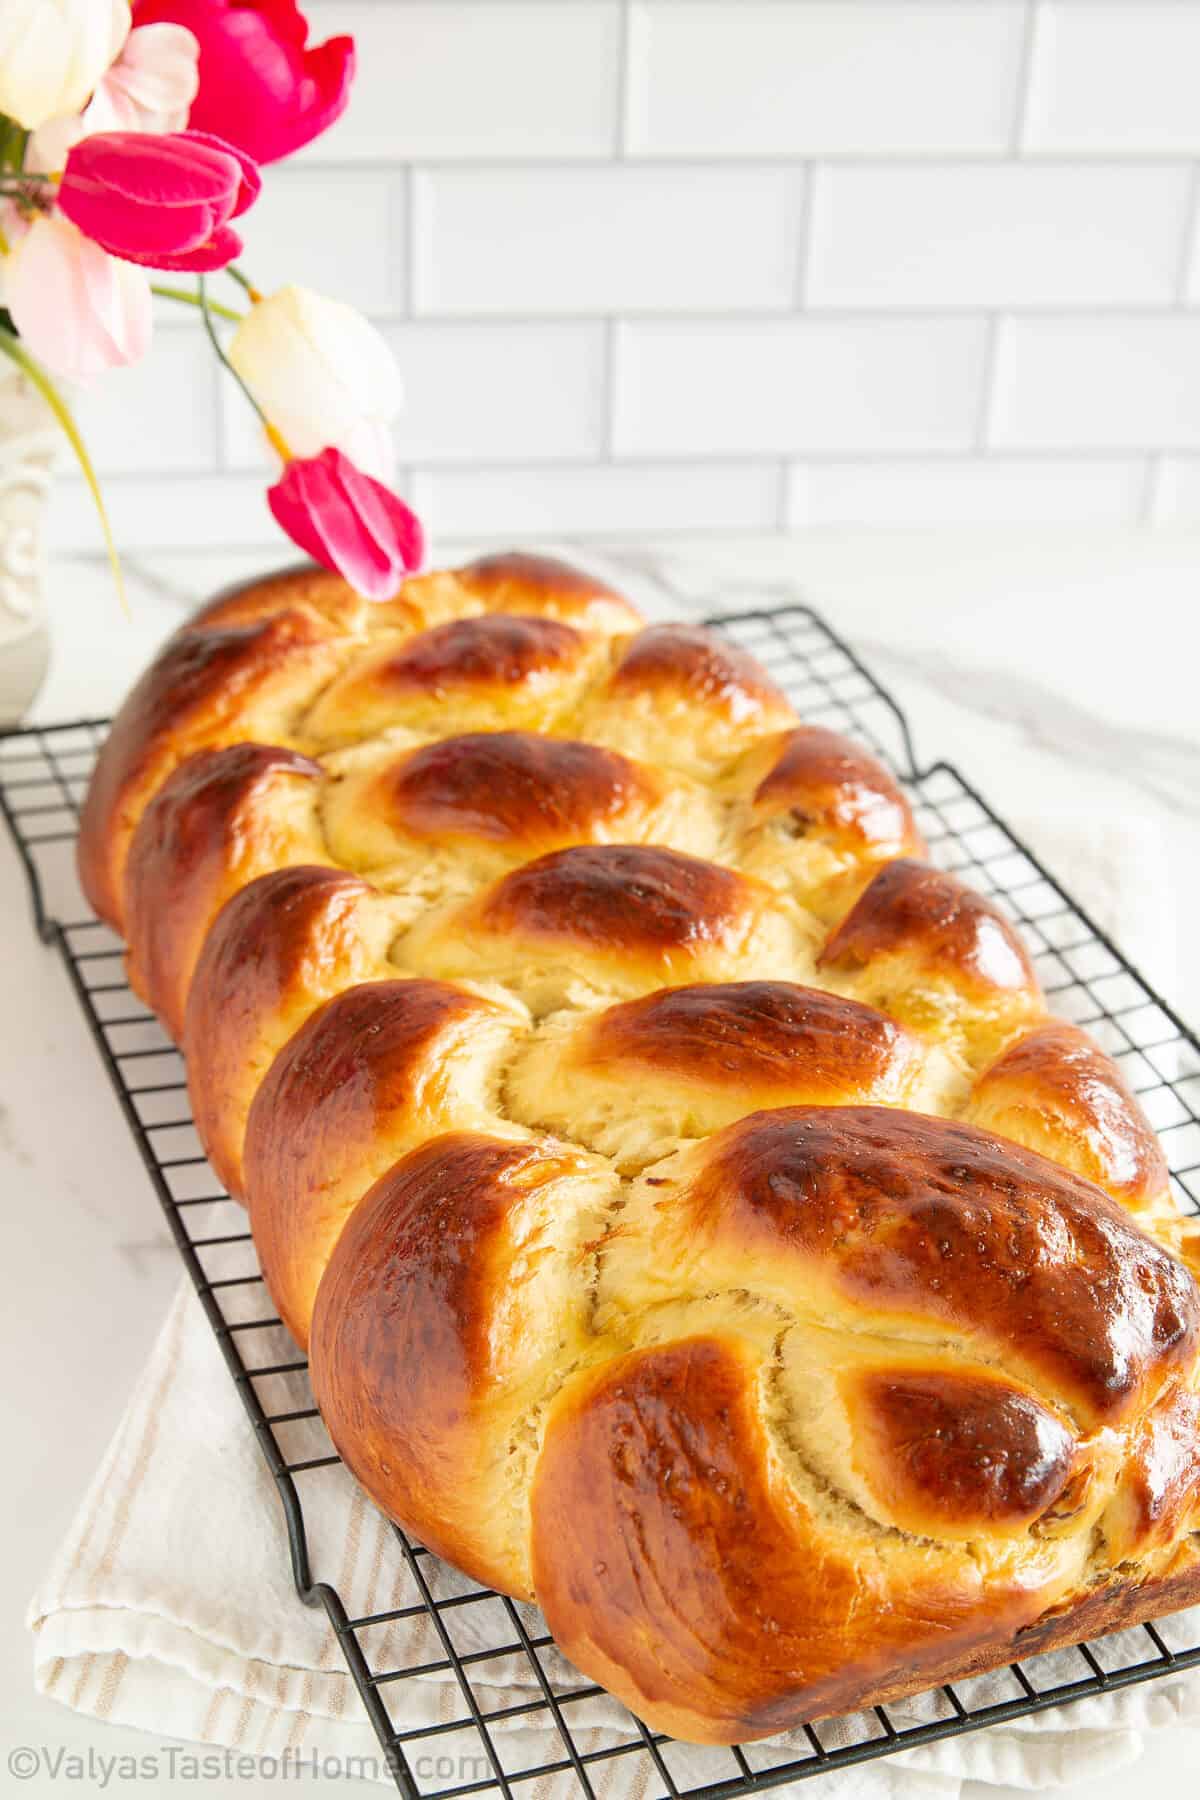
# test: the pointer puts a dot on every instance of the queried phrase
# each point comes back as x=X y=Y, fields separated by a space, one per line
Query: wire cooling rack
x=43 y=775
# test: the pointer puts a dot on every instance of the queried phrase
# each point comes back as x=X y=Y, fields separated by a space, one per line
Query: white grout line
x=1152 y=488
x=221 y=398
x=783 y=496
x=683 y=461
x=1097 y=310
x=621 y=133
x=989 y=384
x=404 y=240
x=949 y=6
x=1030 y=44
x=807 y=226
x=413 y=232
x=608 y=427
x=881 y=157
x=1188 y=238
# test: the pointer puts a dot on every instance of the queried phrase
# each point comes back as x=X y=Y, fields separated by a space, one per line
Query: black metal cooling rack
x=43 y=774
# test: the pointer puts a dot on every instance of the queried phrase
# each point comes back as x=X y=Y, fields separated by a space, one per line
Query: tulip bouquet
x=131 y=139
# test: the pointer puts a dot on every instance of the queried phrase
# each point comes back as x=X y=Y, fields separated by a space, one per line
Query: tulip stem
x=13 y=139
x=243 y=281
x=207 y=308
x=188 y=299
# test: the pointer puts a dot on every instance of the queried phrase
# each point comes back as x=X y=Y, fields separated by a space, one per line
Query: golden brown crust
x=733 y=1280
x=896 y=1219
x=959 y=1452
x=445 y=1304
x=830 y=786
x=925 y=913
x=623 y=918
x=223 y=817
x=381 y=1066
x=204 y=688
x=514 y=581
x=500 y=668
x=506 y=649
x=672 y=1557
x=683 y=697
x=758 y=1036
x=1158 y=1493
x=692 y=663
x=632 y=1080
x=631 y=897
x=1108 y=1604
x=275 y=951
x=319 y=594
x=1058 y=1092
x=516 y=788
x=931 y=951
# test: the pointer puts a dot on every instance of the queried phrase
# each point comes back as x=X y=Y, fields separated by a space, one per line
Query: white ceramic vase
x=29 y=442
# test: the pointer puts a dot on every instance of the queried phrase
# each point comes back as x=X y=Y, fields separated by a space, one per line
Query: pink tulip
x=78 y=310
x=262 y=86
x=160 y=200
x=348 y=522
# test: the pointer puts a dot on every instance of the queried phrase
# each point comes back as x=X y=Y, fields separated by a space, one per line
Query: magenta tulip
x=262 y=85
x=164 y=200
x=348 y=522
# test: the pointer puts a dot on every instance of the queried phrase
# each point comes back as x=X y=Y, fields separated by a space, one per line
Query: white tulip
x=323 y=376
x=150 y=87
x=53 y=54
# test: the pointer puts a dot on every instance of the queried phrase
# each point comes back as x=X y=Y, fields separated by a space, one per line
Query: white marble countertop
x=1058 y=669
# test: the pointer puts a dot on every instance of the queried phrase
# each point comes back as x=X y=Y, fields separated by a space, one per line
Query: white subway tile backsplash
x=150 y=512
x=798 y=385
x=729 y=264
x=340 y=231
x=1115 y=78
x=1177 y=492
x=759 y=77
x=968 y=491
x=1114 y=384
x=1004 y=234
x=631 y=237
x=600 y=500
x=161 y=414
x=482 y=78
x=501 y=392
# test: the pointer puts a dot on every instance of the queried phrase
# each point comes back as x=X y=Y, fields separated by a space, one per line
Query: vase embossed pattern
x=28 y=446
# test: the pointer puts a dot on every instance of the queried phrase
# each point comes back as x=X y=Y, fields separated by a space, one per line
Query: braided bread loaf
x=694 y=1218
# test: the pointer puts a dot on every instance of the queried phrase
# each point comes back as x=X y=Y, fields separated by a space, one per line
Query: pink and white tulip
x=150 y=87
x=348 y=522
x=53 y=54
x=77 y=309
x=162 y=201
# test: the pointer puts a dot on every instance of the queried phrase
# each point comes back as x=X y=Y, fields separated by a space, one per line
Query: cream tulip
x=323 y=376
x=150 y=87
x=53 y=54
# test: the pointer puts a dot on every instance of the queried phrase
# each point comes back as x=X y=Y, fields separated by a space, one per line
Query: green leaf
x=12 y=347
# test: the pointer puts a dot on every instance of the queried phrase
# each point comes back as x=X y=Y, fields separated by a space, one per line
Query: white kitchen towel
x=170 y=1604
